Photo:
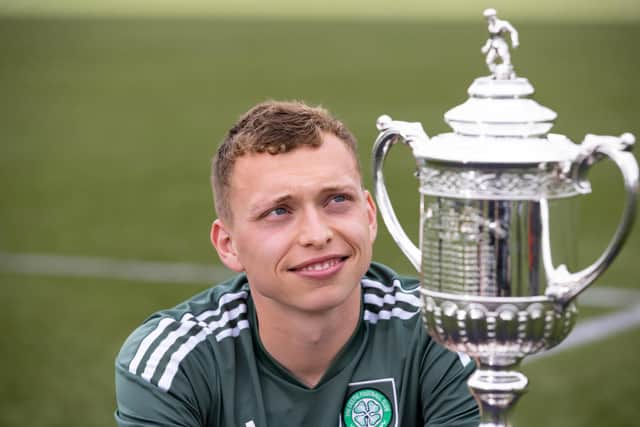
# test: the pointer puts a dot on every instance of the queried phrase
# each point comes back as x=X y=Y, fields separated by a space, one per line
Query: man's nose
x=314 y=230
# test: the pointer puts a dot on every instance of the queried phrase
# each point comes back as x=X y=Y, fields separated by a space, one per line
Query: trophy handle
x=392 y=131
x=563 y=285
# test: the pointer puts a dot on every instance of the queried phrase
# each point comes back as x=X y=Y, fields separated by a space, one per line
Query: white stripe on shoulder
x=392 y=299
x=368 y=283
x=224 y=299
x=392 y=295
x=409 y=298
x=227 y=316
x=395 y=286
x=177 y=357
x=163 y=347
x=232 y=332
x=187 y=330
x=146 y=343
x=464 y=359
x=397 y=312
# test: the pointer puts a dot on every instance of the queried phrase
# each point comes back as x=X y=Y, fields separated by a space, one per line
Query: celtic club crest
x=367 y=408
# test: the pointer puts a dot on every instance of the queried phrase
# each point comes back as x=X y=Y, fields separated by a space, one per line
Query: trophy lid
x=500 y=122
x=499 y=107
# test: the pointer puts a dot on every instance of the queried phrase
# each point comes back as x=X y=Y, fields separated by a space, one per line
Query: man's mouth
x=319 y=265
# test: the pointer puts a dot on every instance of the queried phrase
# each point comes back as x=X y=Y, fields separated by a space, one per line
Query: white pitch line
x=595 y=329
x=179 y=272
x=111 y=268
x=597 y=296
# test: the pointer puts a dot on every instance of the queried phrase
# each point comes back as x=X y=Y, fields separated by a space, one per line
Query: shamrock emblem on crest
x=367 y=413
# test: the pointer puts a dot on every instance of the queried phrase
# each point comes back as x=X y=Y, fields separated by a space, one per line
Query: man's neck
x=304 y=343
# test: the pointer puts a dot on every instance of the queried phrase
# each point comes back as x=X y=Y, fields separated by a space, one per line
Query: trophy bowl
x=489 y=284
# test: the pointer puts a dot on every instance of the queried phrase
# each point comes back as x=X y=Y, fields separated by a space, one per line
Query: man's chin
x=328 y=300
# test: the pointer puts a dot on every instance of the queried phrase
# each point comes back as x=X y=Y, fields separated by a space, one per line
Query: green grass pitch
x=107 y=131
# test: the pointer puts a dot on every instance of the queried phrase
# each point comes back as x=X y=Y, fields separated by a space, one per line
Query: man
x=311 y=333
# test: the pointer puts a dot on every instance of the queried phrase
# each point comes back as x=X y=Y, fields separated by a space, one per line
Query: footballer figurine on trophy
x=497 y=47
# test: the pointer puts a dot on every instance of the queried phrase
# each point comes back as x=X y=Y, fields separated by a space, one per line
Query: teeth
x=321 y=265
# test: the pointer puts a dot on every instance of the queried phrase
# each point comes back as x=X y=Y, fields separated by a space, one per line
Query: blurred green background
x=110 y=112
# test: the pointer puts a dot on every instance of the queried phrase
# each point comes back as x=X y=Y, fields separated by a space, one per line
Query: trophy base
x=497 y=393
x=503 y=72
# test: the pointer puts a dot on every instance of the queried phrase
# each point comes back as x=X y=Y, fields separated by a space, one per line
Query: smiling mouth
x=320 y=265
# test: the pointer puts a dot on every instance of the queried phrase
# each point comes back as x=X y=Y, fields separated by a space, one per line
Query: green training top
x=202 y=364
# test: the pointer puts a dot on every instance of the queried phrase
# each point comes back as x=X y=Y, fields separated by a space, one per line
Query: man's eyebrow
x=339 y=188
x=258 y=207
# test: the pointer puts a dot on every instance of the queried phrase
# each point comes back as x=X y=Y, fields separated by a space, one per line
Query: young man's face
x=302 y=228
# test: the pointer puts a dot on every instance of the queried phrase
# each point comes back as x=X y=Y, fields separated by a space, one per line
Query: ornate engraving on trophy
x=539 y=181
x=457 y=256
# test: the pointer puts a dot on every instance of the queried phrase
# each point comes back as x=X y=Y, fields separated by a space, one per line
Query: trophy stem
x=497 y=390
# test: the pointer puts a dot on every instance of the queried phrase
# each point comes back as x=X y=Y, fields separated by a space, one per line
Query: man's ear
x=221 y=240
x=371 y=216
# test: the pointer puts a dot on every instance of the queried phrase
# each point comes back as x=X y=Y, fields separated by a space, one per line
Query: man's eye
x=277 y=212
x=338 y=199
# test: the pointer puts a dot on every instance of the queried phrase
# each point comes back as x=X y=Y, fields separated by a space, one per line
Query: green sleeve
x=446 y=399
x=142 y=402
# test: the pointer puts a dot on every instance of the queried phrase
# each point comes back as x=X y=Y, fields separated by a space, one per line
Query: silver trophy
x=489 y=284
